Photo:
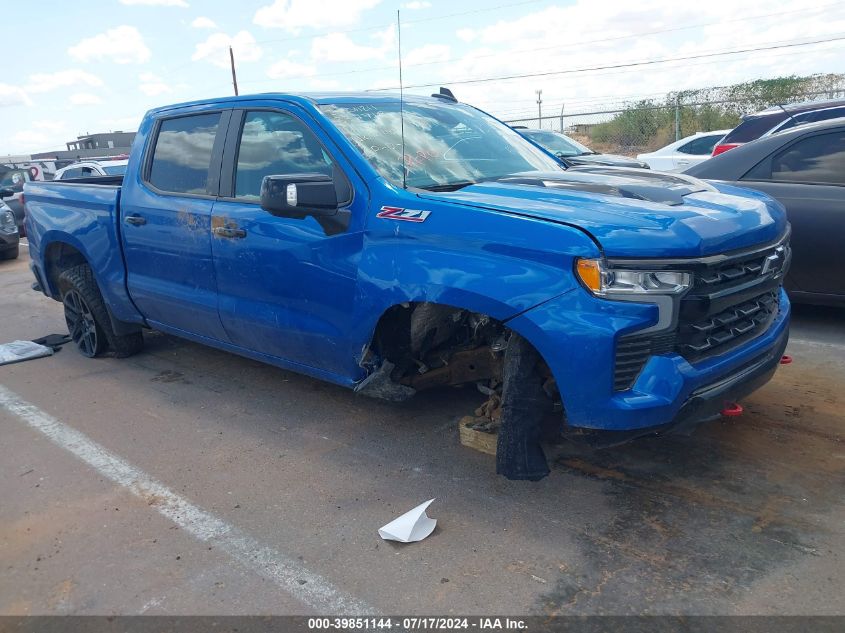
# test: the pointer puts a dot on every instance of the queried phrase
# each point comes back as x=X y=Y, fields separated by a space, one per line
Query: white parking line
x=292 y=577
x=803 y=341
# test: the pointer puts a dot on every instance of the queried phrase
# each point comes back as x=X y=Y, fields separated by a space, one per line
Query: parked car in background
x=685 y=153
x=574 y=153
x=11 y=192
x=9 y=236
x=803 y=168
x=779 y=118
x=92 y=168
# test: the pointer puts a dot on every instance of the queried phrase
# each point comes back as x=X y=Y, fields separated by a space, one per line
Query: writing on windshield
x=444 y=144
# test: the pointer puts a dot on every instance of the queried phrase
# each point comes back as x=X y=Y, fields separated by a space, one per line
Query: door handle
x=135 y=220
x=228 y=231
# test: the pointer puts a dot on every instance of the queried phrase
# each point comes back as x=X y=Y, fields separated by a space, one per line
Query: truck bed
x=82 y=217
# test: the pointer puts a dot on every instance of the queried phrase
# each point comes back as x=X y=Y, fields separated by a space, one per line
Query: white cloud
x=203 y=22
x=122 y=45
x=152 y=85
x=41 y=135
x=84 y=98
x=12 y=96
x=45 y=82
x=467 y=35
x=427 y=54
x=286 y=69
x=339 y=47
x=215 y=49
x=293 y=15
x=156 y=3
x=416 y=5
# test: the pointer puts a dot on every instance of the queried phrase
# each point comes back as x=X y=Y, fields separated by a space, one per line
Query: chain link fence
x=641 y=126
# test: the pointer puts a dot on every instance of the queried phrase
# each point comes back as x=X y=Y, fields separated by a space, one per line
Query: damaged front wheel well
x=420 y=345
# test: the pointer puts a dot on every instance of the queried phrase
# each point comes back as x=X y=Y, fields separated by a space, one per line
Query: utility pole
x=561 y=117
x=539 y=108
x=678 y=116
x=234 y=76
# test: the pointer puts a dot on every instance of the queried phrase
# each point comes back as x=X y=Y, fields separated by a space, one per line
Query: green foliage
x=650 y=124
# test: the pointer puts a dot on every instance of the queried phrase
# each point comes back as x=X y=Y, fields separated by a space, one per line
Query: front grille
x=731 y=302
x=725 y=330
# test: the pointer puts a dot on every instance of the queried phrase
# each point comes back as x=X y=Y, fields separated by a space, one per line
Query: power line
x=611 y=66
x=526 y=111
x=664 y=106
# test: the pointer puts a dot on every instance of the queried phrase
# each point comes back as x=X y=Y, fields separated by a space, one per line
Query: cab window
x=274 y=143
x=183 y=153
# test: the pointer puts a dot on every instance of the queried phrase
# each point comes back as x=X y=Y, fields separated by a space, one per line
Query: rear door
x=286 y=286
x=166 y=223
x=808 y=177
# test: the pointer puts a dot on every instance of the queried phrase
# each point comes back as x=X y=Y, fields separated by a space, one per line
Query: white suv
x=89 y=168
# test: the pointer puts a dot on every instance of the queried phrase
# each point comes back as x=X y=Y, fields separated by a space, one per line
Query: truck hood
x=634 y=212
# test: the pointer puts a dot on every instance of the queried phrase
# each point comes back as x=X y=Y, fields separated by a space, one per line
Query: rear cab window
x=183 y=154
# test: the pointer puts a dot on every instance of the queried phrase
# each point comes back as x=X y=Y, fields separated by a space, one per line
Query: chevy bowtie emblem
x=774 y=263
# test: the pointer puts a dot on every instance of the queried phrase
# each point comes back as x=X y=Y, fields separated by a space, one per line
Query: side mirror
x=299 y=195
x=6 y=193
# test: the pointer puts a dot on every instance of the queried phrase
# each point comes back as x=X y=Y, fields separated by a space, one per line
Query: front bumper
x=576 y=335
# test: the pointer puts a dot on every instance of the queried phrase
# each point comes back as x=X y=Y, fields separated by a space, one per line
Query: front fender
x=483 y=261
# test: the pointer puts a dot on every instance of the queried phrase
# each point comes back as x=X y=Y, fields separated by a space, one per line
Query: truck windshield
x=446 y=146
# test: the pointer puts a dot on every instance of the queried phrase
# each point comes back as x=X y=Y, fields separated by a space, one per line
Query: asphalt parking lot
x=190 y=481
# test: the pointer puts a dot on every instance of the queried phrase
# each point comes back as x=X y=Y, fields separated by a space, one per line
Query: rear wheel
x=88 y=319
x=83 y=329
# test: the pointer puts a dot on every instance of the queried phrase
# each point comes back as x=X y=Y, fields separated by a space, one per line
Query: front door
x=166 y=225
x=286 y=286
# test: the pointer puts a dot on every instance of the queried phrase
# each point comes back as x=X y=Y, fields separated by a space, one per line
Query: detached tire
x=11 y=254
x=87 y=317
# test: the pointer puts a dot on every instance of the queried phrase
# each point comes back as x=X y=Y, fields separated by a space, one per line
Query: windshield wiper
x=451 y=186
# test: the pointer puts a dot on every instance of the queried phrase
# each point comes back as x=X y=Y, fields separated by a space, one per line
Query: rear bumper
x=576 y=336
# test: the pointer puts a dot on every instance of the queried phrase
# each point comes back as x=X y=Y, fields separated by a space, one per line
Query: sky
x=82 y=67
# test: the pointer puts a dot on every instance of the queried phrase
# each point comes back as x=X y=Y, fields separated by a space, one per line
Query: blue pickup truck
x=394 y=246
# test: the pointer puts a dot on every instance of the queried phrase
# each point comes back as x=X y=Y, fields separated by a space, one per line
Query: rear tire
x=12 y=254
x=88 y=319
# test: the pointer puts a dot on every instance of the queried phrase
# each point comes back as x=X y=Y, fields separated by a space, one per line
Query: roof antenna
x=401 y=101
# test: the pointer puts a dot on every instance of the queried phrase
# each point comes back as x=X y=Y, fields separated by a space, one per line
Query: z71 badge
x=398 y=213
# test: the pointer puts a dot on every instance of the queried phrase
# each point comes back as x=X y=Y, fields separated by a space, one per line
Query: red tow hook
x=786 y=359
x=732 y=409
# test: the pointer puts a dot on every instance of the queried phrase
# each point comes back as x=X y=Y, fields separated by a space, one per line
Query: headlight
x=603 y=281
